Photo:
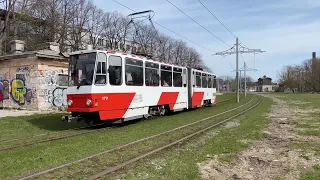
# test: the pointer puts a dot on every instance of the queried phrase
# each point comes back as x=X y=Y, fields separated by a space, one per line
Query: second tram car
x=113 y=86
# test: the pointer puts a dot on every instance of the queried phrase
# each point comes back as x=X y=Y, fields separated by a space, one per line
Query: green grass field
x=29 y=159
x=179 y=162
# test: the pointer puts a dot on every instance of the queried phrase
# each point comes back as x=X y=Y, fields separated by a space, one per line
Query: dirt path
x=6 y=113
x=266 y=159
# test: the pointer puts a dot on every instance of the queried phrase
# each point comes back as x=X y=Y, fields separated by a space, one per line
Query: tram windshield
x=81 y=69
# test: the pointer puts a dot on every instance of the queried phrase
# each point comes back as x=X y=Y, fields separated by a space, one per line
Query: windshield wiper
x=81 y=83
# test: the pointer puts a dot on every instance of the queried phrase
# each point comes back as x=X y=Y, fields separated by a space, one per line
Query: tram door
x=191 y=86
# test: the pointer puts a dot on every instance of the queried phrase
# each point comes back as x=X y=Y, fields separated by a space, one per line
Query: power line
x=242 y=57
x=182 y=36
x=235 y=50
x=245 y=68
x=124 y=6
x=198 y=23
x=167 y=28
x=219 y=21
x=228 y=62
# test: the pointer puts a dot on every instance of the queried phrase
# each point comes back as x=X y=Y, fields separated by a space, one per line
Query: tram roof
x=140 y=57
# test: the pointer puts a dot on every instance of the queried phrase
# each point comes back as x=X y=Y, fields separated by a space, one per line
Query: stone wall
x=53 y=82
x=33 y=83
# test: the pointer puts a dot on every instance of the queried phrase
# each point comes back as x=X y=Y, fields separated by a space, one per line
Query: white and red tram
x=114 y=86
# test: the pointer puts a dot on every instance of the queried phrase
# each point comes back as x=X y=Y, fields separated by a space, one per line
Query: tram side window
x=198 y=79
x=210 y=81
x=166 y=76
x=115 y=70
x=214 y=81
x=101 y=73
x=152 y=74
x=134 y=72
x=177 y=77
x=204 y=80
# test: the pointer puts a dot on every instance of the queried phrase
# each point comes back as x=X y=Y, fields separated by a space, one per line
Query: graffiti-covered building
x=33 y=80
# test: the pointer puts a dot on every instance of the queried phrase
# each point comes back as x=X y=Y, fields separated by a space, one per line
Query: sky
x=288 y=30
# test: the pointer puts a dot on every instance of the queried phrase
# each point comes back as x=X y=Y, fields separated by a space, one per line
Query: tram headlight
x=70 y=102
x=89 y=102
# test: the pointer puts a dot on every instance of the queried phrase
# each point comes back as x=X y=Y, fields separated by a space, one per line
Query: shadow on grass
x=53 y=122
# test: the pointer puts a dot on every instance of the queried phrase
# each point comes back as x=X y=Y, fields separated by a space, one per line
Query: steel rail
x=51 y=139
x=49 y=133
x=119 y=166
x=66 y=136
x=73 y=129
x=130 y=143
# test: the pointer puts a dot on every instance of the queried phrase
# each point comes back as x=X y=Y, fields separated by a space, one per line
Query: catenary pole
x=237 y=66
x=235 y=50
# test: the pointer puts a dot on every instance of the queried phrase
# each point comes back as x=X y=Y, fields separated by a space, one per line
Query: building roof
x=265 y=77
x=40 y=53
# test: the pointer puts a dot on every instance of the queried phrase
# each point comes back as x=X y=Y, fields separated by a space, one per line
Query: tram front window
x=81 y=69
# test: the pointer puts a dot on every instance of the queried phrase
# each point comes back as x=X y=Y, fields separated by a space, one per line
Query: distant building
x=265 y=84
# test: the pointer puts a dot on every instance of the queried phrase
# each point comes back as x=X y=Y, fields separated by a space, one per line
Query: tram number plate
x=137 y=98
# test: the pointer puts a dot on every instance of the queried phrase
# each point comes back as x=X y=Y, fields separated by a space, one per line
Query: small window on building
x=166 y=75
x=198 y=79
x=115 y=70
x=134 y=72
x=177 y=77
x=204 y=80
x=127 y=47
x=151 y=74
x=62 y=80
x=108 y=44
x=121 y=46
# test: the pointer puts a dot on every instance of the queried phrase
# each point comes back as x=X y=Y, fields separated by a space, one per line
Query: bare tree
x=95 y=27
x=79 y=24
x=304 y=77
x=74 y=23
x=8 y=7
x=162 y=44
x=115 y=30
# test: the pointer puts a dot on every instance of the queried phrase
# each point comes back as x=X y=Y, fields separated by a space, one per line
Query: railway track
x=227 y=100
x=49 y=133
x=123 y=146
x=15 y=146
x=123 y=164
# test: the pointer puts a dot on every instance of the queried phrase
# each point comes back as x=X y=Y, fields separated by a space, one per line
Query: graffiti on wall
x=53 y=85
x=19 y=92
x=29 y=86
x=4 y=86
x=4 y=90
x=56 y=97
